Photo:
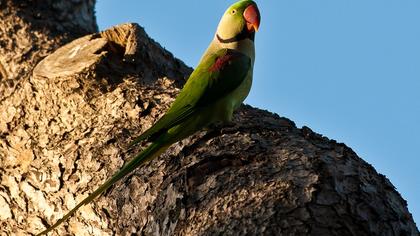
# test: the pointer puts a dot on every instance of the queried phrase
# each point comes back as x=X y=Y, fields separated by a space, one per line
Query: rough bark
x=30 y=30
x=65 y=126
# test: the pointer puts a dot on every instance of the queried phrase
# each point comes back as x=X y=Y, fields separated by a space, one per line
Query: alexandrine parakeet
x=217 y=87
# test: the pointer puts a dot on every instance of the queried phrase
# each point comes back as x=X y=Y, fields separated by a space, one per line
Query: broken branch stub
x=112 y=54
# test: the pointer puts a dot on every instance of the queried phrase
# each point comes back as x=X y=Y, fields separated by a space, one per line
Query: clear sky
x=348 y=69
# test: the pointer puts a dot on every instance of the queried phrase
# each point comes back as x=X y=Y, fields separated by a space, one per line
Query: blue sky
x=348 y=69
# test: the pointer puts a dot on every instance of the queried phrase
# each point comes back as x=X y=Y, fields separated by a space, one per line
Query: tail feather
x=152 y=151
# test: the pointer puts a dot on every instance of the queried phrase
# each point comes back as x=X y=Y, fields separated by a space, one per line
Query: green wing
x=216 y=76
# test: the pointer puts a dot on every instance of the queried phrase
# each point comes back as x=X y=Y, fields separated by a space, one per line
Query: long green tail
x=152 y=151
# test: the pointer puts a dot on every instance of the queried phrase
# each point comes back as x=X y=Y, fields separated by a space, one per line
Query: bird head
x=240 y=21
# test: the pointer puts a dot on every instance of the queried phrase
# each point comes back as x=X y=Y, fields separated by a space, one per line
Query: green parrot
x=217 y=87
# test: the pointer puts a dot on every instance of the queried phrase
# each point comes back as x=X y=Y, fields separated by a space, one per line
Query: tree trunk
x=66 y=119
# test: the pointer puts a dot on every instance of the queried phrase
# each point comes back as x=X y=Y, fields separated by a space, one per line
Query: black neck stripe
x=243 y=35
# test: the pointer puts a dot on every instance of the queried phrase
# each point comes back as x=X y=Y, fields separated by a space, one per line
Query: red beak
x=252 y=17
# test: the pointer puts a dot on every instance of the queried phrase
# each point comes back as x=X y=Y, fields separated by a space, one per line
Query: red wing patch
x=221 y=62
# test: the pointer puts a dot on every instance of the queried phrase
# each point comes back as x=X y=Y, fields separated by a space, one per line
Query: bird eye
x=233 y=11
